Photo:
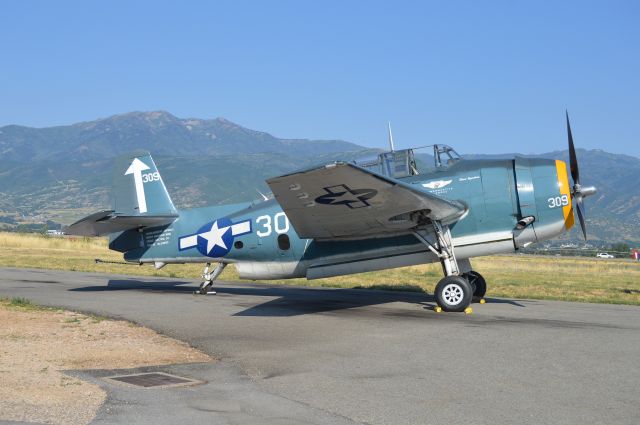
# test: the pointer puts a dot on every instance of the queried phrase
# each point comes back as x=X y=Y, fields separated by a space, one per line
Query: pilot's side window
x=283 y=242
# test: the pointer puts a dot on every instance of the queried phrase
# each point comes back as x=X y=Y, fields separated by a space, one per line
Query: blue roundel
x=215 y=239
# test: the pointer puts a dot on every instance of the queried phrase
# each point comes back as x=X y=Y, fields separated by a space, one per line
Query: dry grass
x=70 y=253
x=37 y=343
x=514 y=276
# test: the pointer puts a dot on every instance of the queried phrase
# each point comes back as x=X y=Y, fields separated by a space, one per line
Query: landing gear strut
x=209 y=277
x=460 y=284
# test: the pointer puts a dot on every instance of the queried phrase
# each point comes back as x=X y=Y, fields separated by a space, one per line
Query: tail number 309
x=558 y=201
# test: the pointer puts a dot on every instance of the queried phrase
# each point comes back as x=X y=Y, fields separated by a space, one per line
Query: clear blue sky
x=481 y=76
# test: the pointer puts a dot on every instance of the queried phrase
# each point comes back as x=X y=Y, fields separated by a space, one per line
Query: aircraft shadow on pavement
x=289 y=300
x=130 y=284
x=294 y=301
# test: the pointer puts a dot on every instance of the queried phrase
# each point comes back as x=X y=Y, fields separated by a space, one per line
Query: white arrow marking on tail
x=136 y=168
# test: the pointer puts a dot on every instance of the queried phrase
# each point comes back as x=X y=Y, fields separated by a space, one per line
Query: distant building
x=55 y=233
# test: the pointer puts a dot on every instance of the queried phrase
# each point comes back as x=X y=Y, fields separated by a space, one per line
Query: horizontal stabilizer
x=105 y=222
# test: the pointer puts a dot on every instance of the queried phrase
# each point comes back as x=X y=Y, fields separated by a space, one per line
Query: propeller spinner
x=578 y=192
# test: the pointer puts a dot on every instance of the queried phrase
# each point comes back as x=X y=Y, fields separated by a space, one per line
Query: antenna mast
x=264 y=197
x=391 y=138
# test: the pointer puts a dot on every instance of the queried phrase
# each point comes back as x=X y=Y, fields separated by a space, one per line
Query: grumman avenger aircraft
x=351 y=217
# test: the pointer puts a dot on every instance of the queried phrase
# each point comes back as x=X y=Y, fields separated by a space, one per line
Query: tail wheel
x=478 y=284
x=453 y=293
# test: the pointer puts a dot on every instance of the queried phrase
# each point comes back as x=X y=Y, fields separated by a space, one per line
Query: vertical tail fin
x=138 y=188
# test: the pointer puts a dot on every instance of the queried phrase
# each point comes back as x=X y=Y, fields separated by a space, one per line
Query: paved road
x=380 y=357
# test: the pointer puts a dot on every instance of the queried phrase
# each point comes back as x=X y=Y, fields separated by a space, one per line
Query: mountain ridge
x=157 y=131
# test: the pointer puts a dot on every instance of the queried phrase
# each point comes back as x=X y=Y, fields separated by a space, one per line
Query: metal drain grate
x=154 y=379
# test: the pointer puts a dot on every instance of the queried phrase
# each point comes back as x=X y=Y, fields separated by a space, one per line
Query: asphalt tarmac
x=316 y=355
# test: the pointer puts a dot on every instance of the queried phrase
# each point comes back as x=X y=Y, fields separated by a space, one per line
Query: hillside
x=60 y=173
x=159 y=132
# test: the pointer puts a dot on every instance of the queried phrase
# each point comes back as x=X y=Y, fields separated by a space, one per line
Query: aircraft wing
x=342 y=200
x=105 y=222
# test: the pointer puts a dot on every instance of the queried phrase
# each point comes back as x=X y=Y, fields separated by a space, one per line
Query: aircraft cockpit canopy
x=410 y=162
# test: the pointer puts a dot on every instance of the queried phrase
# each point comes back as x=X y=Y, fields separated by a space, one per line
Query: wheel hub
x=453 y=294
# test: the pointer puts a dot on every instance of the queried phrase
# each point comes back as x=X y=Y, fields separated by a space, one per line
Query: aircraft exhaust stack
x=525 y=221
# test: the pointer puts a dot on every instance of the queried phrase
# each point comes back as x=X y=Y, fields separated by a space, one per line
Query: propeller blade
x=573 y=161
x=578 y=191
x=581 y=215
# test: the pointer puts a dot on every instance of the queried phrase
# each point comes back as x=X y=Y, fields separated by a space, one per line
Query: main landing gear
x=455 y=293
x=209 y=277
x=460 y=285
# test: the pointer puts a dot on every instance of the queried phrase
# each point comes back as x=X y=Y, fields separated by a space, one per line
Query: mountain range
x=158 y=131
x=60 y=173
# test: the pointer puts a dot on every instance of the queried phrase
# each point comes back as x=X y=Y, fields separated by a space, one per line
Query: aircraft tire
x=478 y=284
x=453 y=293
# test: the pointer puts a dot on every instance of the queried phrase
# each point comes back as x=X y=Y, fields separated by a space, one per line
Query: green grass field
x=513 y=276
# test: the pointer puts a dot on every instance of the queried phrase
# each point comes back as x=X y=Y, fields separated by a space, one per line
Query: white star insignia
x=214 y=236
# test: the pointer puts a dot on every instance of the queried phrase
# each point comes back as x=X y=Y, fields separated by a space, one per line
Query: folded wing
x=342 y=200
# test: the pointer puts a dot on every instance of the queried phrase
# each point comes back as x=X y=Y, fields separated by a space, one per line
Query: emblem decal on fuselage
x=215 y=239
x=343 y=195
x=438 y=184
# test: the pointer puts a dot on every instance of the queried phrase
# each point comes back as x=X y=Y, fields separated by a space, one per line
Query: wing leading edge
x=342 y=200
